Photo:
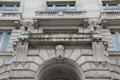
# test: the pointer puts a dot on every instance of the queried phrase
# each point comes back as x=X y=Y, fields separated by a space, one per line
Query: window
x=61 y=7
x=104 y=6
x=113 y=5
x=71 y=6
x=0 y=36
x=4 y=39
x=1 y=6
x=9 y=8
x=17 y=7
x=115 y=41
x=110 y=6
x=50 y=7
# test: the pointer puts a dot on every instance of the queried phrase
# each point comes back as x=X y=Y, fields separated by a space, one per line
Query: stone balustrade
x=11 y=18
x=60 y=13
x=10 y=15
x=111 y=14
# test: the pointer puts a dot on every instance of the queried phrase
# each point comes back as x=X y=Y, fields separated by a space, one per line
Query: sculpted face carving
x=27 y=25
x=59 y=51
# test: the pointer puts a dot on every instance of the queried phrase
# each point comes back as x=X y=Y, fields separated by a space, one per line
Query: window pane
x=50 y=7
x=113 y=6
x=5 y=45
x=9 y=7
x=1 y=35
x=115 y=41
x=1 y=6
x=17 y=7
x=61 y=6
x=104 y=6
x=72 y=6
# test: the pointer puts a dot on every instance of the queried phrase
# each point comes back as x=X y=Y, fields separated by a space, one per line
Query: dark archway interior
x=59 y=72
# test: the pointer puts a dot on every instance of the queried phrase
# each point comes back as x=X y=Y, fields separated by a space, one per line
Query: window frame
x=8 y=8
x=50 y=8
x=110 y=5
x=73 y=7
x=117 y=34
x=17 y=7
x=3 y=38
x=14 y=7
x=1 y=7
x=61 y=6
x=104 y=6
x=66 y=6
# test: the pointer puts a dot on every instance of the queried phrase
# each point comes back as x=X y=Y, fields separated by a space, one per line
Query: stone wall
x=96 y=61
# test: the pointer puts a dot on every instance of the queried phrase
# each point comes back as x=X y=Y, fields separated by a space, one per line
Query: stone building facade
x=59 y=40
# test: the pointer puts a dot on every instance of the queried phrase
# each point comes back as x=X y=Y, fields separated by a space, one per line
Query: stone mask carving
x=59 y=51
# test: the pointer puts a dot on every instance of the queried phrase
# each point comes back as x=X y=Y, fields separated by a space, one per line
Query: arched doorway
x=59 y=69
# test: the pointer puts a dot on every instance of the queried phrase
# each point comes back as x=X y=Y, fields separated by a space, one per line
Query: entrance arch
x=59 y=69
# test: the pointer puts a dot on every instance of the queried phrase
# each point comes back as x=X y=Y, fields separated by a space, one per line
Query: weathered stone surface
x=86 y=58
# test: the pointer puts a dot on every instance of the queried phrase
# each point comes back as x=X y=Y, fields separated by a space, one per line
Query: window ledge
x=7 y=53
x=114 y=53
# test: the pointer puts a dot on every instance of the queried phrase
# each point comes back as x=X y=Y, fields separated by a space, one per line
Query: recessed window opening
x=110 y=6
x=4 y=39
x=71 y=6
x=116 y=40
x=61 y=6
x=50 y=7
x=9 y=7
x=113 y=5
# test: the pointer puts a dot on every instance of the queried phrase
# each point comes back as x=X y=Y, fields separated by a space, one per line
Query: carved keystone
x=59 y=51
